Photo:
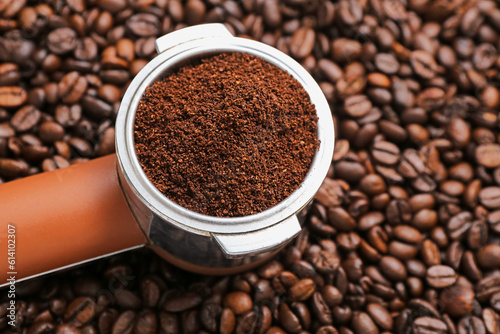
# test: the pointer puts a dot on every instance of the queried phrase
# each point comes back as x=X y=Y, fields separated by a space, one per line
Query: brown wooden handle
x=64 y=217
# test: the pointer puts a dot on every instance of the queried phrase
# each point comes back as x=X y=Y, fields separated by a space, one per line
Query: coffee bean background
x=404 y=234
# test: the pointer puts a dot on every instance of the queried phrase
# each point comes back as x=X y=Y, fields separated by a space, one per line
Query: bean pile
x=404 y=235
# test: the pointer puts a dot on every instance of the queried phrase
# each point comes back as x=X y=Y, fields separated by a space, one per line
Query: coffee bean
x=357 y=105
x=471 y=324
x=425 y=219
x=146 y=322
x=494 y=221
x=362 y=323
x=13 y=168
x=35 y=152
x=112 y=5
x=380 y=316
x=490 y=197
x=385 y=153
x=302 y=290
x=62 y=40
x=227 y=321
x=71 y=87
x=386 y=63
x=68 y=116
x=143 y=25
x=459 y=132
x=440 y=276
x=430 y=253
x=488 y=257
x=126 y=299
x=50 y=132
x=238 y=302
x=488 y=155
x=484 y=56
x=55 y=162
x=457 y=299
x=408 y=234
x=477 y=235
x=340 y=219
x=345 y=50
x=25 y=118
x=429 y=325
x=9 y=74
x=302 y=42
x=80 y=311
x=490 y=320
x=6 y=130
x=393 y=268
x=330 y=70
x=12 y=96
x=321 y=309
x=372 y=184
x=96 y=108
x=423 y=64
x=81 y=146
x=182 y=302
x=124 y=323
x=325 y=262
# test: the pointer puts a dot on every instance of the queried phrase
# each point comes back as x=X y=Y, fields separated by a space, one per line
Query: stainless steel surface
x=205 y=240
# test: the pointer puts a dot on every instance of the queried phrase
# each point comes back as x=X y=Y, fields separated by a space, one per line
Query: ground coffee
x=229 y=136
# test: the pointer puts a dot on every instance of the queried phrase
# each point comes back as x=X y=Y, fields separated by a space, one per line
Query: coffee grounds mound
x=231 y=135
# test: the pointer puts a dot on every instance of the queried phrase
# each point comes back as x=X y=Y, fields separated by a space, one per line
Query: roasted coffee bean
x=50 y=132
x=380 y=316
x=62 y=40
x=440 y=276
x=13 y=168
x=357 y=105
x=457 y=299
x=72 y=87
x=423 y=64
x=340 y=219
x=408 y=234
x=471 y=324
x=302 y=42
x=124 y=323
x=80 y=311
x=488 y=257
x=12 y=96
x=490 y=197
x=385 y=153
x=429 y=325
x=362 y=323
x=143 y=25
x=96 y=108
x=238 y=302
x=9 y=74
x=68 y=116
x=430 y=253
x=490 y=320
x=182 y=302
x=386 y=63
x=146 y=322
x=302 y=290
x=494 y=221
x=393 y=268
x=288 y=319
x=488 y=155
x=25 y=118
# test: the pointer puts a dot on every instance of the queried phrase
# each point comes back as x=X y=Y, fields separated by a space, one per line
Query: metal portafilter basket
x=108 y=205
